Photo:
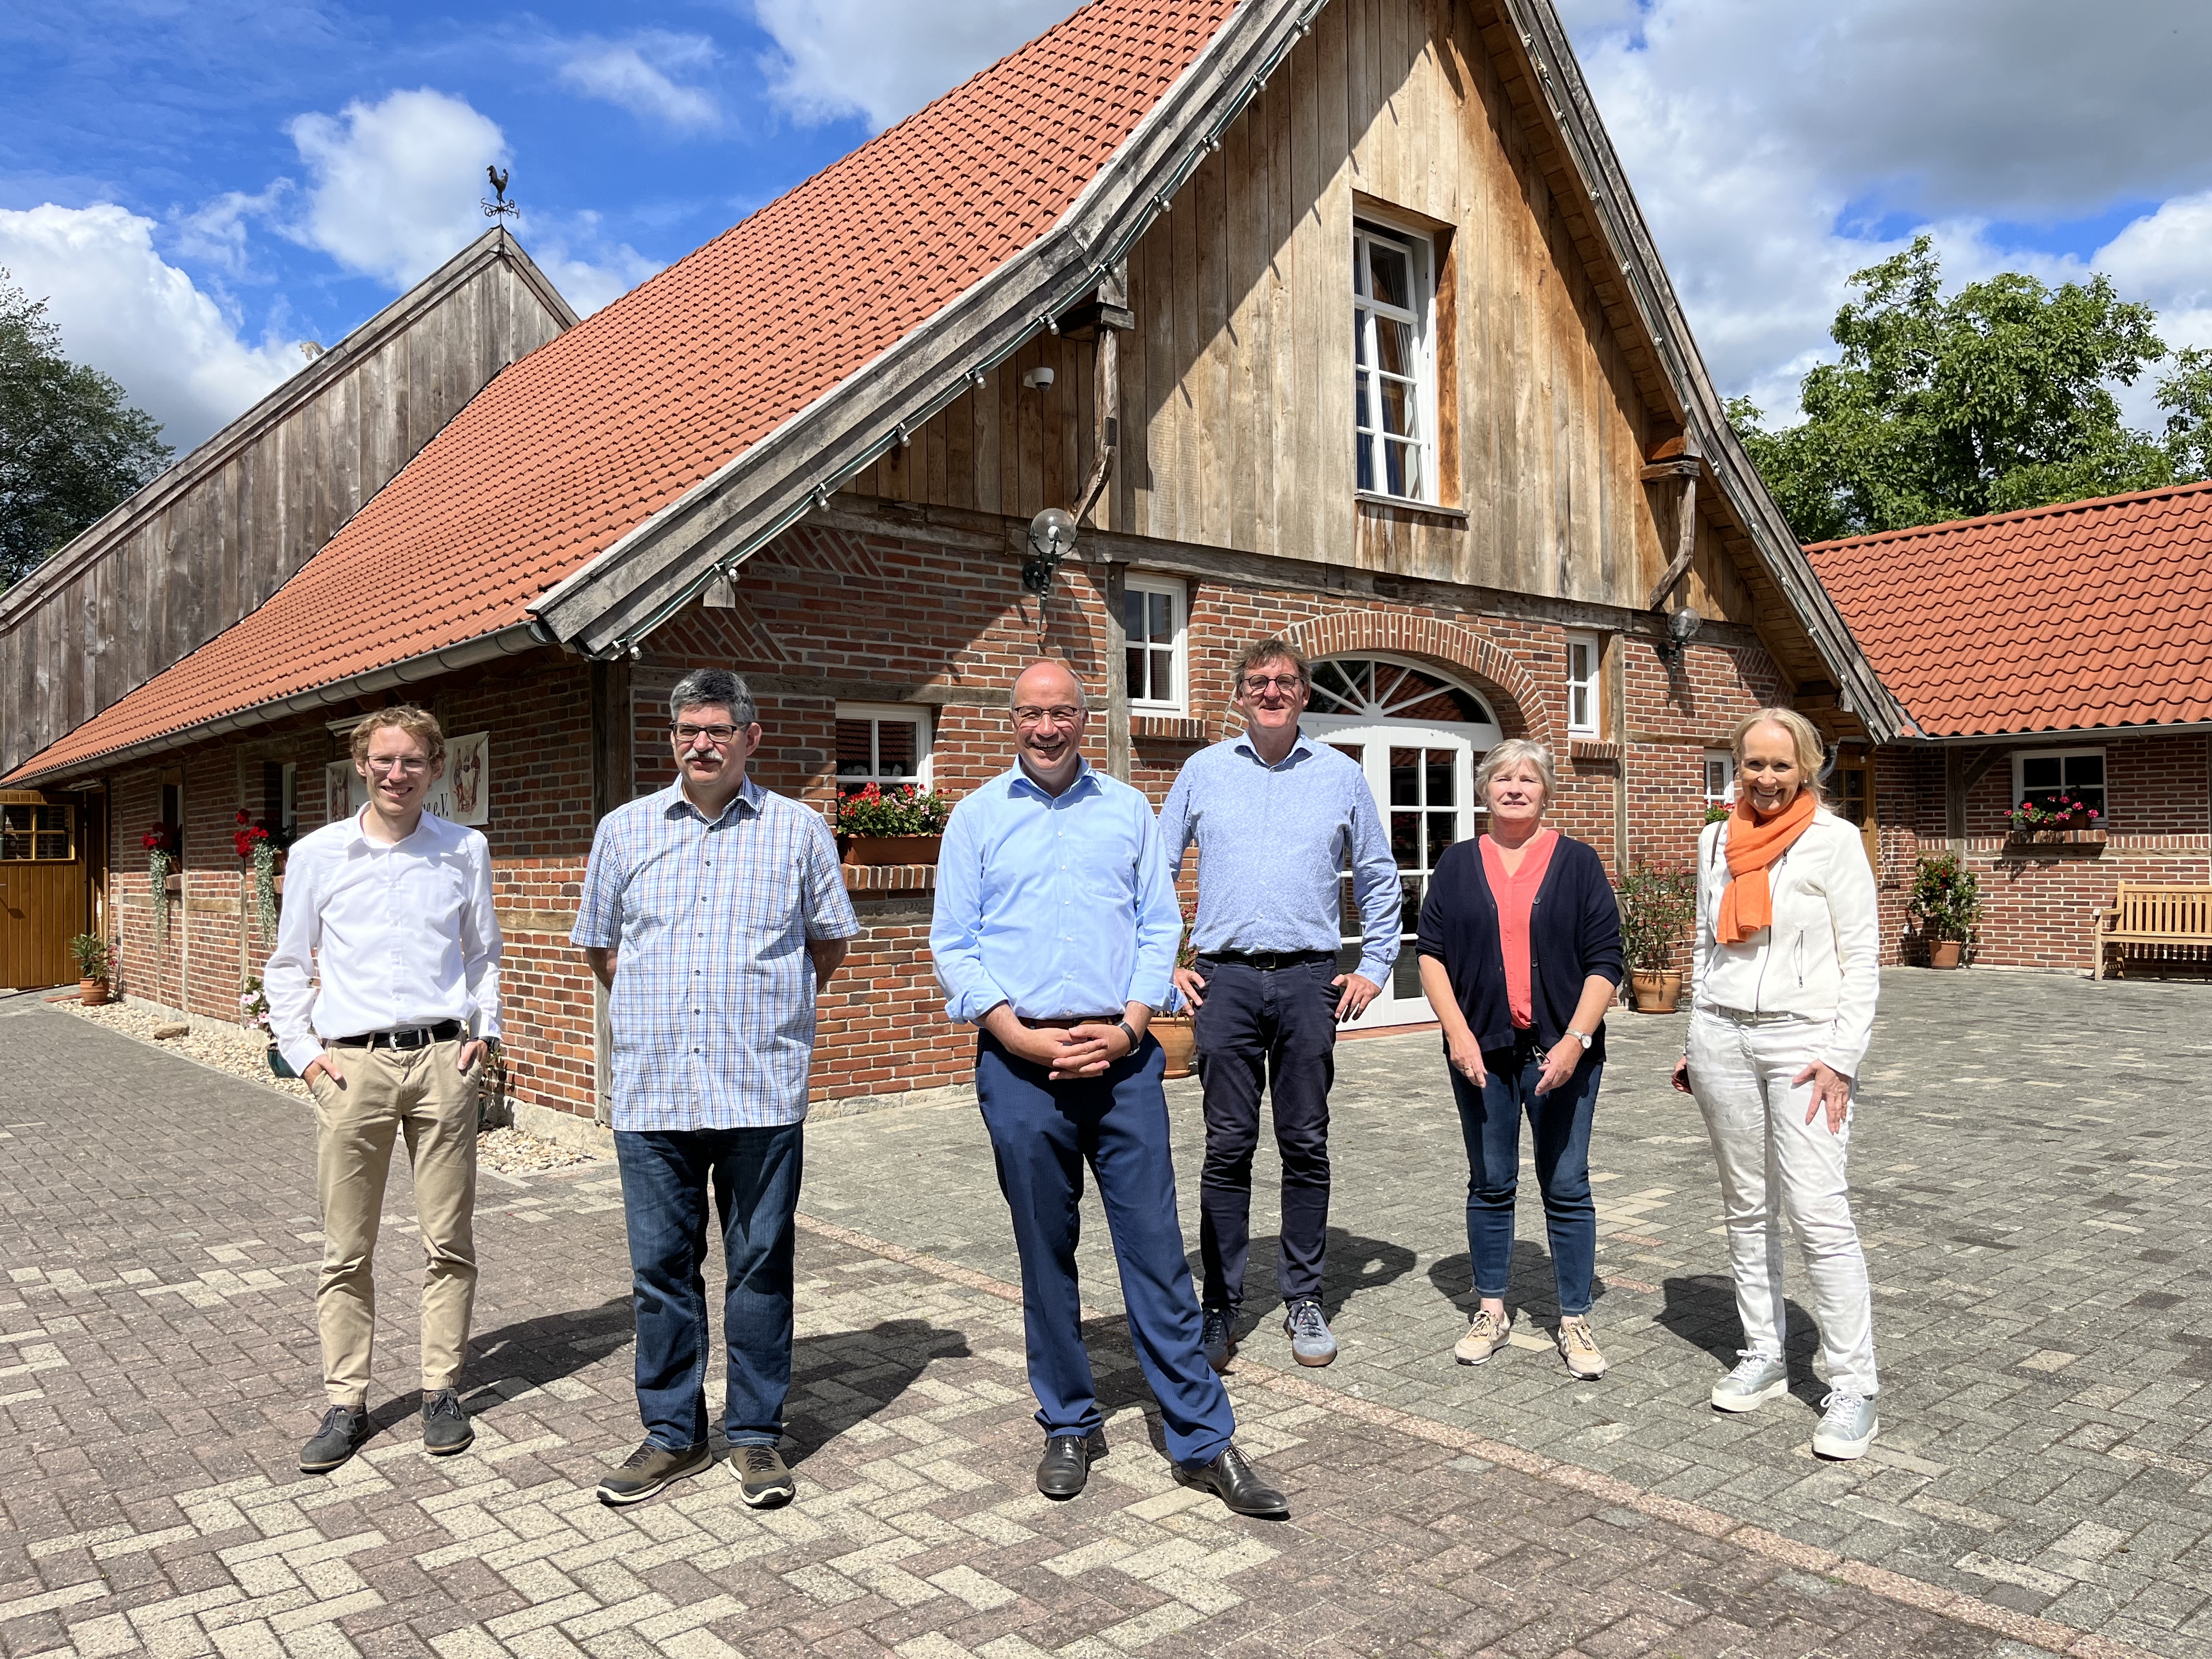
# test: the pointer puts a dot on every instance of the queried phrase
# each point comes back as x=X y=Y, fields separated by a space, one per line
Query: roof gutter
x=488 y=647
x=2049 y=734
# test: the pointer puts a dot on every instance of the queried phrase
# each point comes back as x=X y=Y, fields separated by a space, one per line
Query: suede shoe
x=1757 y=1378
x=1310 y=1342
x=1217 y=1331
x=445 y=1425
x=763 y=1479
x=1232 y=1478
x=339 y=1438
x=652 y=1468
x=1066 y=1465
x=1585 y=1359
x=1484 y=1338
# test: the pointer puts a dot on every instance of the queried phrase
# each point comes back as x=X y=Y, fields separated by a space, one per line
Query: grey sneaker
x=445 y=1426
x=1310 y=1342
x=651 y=1467
x=764 y=1481
x=1848 y=1425
x=338 y=1439
x=1757 y=1378
x=1578 y=1347
x=1484 y=1338
x=1217 y=1331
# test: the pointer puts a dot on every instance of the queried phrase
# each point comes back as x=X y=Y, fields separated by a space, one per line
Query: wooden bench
x=2155 y=924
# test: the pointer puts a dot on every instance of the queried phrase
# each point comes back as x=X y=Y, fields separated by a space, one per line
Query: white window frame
x=2020 y=756
x=1590 y=686
x=1726 y=762
x=918 y=716
x=288 y=794
x=1178 y=597
x=1367 y=413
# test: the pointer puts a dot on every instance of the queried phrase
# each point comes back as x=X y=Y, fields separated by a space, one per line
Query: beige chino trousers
x=386 y=1092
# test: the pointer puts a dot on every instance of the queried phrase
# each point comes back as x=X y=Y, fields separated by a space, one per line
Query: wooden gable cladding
x=1235 y=386
x=214 y=536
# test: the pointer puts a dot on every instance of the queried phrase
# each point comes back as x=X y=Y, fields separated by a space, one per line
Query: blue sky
x=200 y=185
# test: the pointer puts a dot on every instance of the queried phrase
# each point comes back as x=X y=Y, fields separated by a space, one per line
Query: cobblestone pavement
x=160 y=1371
x=2030 y=1161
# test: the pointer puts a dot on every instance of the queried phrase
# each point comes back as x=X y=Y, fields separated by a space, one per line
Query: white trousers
x=1774 y=1165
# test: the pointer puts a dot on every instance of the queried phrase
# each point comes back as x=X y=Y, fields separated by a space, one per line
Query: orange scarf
x=1748 y=901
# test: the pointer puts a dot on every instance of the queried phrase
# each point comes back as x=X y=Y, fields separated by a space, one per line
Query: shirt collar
x=674 y=803
x=361 y=837
x=1085 y=781
x=1300 y=750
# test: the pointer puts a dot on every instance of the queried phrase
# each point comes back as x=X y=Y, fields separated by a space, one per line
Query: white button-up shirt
x=404 y=933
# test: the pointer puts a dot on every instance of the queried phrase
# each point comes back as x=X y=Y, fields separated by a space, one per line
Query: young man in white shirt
x=394 y=907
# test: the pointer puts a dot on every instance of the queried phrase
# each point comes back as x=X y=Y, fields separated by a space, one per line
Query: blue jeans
x=754 y=1176
x=1490 y=1119
x=1042 y=1132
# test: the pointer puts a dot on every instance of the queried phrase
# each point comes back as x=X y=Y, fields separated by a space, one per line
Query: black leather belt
x=409 y=1036
x=1268 y=961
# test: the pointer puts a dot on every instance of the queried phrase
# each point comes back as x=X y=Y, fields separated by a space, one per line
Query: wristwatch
x=1130 y=1032
x=1580 y=1037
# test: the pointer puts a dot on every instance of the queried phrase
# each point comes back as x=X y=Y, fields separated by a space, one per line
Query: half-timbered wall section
x=221 y=531
x=1235 y=386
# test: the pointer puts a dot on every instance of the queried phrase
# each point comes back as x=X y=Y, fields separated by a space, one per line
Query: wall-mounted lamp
x=1038 y=380
x=1681 y=628
x=1052 y=539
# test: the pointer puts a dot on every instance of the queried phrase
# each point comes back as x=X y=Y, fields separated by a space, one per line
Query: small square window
x=1720 y=778
x=883 y=744
x=1584 y=712
x=42 y=834
x=2052 y=777
x=1152 y=620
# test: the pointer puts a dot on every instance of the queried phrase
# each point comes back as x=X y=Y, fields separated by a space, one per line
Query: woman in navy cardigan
x=1520 y=947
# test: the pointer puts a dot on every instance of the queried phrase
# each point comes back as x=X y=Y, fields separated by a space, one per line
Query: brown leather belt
x=1069 y=1022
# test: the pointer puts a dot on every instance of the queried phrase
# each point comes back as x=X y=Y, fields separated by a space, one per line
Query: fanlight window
x=1372 y=689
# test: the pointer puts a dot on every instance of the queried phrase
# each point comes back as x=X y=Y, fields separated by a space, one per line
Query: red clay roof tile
x=2087 y=614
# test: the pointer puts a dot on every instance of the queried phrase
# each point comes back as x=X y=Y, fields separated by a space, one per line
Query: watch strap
x=1130 y=1032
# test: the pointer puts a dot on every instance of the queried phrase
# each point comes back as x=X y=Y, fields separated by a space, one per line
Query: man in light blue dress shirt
x=1275 y=818
x=1055 y=933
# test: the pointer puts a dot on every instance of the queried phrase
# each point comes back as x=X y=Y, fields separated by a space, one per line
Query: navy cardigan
x=1574 y=931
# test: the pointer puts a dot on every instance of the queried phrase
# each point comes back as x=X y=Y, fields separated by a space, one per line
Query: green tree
x=71 y=446
x=1997 y=397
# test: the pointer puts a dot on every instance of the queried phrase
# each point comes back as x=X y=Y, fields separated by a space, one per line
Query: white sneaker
x=1756 y=1379
x=1848 y=1426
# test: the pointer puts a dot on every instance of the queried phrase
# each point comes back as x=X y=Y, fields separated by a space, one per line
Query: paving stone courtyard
x=2029 y=1163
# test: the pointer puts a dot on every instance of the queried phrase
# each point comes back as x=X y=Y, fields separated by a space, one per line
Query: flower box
x=2055 y=837
x=892 y=849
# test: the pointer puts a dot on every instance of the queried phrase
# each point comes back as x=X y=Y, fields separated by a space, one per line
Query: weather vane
x=501 y=208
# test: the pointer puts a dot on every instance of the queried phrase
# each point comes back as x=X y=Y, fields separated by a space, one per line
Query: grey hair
x=714 y=688
x=1512 y=752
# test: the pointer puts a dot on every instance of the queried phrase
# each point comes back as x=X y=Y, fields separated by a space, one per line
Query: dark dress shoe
x=1236 y=1482
x=338 y=1439
x=445 y=1427
x=1066 y=1463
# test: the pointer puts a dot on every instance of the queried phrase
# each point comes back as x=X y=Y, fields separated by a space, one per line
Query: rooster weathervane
x=501 y=208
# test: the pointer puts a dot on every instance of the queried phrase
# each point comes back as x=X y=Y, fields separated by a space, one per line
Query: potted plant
x=92 y=969
x=1657 y=902
x=162 y=843
x=901 y=825
x=253 y=1014
x=1178 y=1033
x=2053 y=816
x=255 y=845
x=1945 y=905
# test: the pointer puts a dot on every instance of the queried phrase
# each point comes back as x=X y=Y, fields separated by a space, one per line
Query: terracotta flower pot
x=1655 y=991
x=1178 y=1041
x=92 y=993
x=1945 y=952
x=892 y=849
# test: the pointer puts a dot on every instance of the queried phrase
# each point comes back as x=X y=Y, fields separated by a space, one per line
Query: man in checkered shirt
x=714 y=912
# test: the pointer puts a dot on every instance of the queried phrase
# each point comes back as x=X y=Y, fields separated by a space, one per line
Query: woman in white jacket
x=1785 y=980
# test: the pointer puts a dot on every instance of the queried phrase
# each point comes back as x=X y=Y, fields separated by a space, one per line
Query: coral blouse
x=1514 y=894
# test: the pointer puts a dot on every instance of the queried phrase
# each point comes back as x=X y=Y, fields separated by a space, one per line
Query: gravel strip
x=245 y=1054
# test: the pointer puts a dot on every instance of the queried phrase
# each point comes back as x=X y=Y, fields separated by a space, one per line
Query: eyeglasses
x=406 y=766
x=1288 y=684
x=1060 y=714
x=720 y=736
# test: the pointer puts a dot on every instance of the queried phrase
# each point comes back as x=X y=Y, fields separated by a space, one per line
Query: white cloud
x=884 y=60
x=124 y=310
x=589 y=270
x=635 y=73
x=396 y=187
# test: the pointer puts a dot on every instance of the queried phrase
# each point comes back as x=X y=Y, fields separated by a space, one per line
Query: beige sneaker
x=1484 y=1338
x=1580 y=1350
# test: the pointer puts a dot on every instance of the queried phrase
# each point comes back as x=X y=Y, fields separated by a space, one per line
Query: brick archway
x=1352 y=633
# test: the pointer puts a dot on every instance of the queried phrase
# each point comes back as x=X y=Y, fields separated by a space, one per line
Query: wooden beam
x=1116 y=585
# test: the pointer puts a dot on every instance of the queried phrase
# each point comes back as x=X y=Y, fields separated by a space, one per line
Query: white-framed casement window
x=1585 y=651
x=1394 y=361
x=1720 y=778
x=1153 y=625
x=882 y=743
x=2052 y=776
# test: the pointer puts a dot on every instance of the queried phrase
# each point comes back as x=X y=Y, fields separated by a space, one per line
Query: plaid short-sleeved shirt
x=712 y=1004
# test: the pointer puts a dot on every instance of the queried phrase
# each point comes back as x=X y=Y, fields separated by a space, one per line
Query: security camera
x=1037 y=379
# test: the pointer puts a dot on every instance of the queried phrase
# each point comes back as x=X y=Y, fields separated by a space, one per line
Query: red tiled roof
x=2087 y=614
x=572 y=447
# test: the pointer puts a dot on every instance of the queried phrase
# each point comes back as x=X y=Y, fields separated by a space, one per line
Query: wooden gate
x=42 y=888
